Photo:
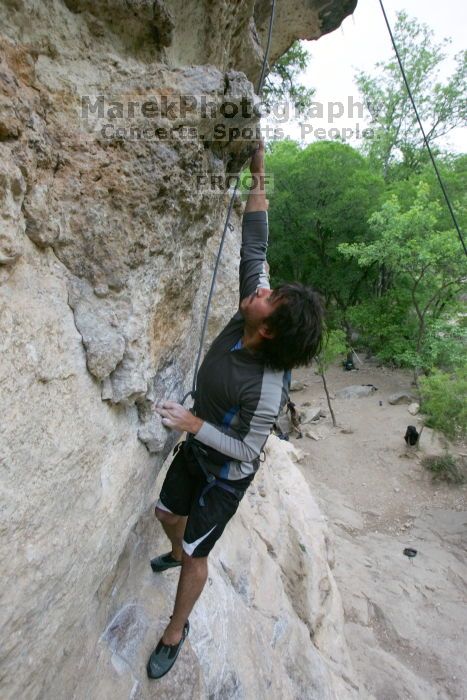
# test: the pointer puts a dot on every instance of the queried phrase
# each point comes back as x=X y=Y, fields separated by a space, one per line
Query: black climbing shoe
x=165 y=655
x=165 y=561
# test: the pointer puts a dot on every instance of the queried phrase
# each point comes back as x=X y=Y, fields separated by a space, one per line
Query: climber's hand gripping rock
x=176 y=417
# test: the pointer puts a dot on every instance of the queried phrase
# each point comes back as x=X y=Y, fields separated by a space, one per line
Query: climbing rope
x=441 y=183
x=227 y=221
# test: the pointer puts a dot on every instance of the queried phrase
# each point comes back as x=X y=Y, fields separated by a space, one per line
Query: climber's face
x=257 y=307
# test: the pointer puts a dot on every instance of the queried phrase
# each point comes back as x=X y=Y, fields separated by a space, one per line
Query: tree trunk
x=323 y=377
x=421 y=331
x=348 y=331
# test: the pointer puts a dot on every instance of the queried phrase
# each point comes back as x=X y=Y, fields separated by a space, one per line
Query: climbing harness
x=227 y=224
x=438 y=175
x=191 y=450
x=212 y=481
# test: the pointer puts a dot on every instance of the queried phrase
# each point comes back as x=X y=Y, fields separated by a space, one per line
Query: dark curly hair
x=297 y=324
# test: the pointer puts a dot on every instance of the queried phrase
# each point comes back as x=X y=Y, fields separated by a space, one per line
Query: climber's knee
x=165 y=517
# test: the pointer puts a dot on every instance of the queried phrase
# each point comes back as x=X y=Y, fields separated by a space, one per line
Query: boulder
x=400 y=397
x=356 y=391
x=414 y=408
x=318 y=433
x=295 y=385
x=308 y=415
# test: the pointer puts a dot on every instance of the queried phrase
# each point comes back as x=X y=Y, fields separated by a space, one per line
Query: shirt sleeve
x=227 y=445
x=253 y=267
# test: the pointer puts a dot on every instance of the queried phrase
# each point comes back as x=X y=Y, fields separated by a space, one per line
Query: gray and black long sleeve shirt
x=237 y=396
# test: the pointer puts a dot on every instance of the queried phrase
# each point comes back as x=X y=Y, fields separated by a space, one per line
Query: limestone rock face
x=268 y=624
x=110 y=215
x=12 y=190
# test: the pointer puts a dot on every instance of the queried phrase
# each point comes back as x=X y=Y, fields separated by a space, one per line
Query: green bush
x=443 y=401
x=444 y=467
x=388 y=328
x=385 y=327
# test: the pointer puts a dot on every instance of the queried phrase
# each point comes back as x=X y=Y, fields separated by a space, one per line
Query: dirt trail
x=406 y=620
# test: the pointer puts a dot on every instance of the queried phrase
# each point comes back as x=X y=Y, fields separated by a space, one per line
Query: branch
x=437 y=295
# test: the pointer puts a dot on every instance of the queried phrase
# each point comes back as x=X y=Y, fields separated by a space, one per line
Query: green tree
x=427 y=268
x=282 y=83
x=323 y=196
x=441 y=104
x=443 y=401
x=453 y=170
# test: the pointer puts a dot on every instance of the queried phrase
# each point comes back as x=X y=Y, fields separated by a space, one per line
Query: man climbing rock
x=242 y=384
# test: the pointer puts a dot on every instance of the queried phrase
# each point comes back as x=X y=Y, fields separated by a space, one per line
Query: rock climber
x=242 y=385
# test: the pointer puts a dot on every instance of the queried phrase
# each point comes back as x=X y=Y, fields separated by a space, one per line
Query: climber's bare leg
x=190 y=585
x=174 y=528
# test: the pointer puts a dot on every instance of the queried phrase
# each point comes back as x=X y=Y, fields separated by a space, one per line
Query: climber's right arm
x=254 y=270
x=257 y=196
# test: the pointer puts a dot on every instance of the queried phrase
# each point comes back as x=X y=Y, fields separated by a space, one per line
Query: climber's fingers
x=174 y=415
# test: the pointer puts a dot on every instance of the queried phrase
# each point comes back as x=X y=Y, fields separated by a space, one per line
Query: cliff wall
x=106 y=246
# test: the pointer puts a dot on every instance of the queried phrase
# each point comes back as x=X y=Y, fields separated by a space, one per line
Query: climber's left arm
x=243 y=445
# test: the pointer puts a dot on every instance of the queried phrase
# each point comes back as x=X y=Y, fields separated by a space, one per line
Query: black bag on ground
x=411 y=435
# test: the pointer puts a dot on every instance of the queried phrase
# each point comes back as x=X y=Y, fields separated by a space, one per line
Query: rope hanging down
x=227 y=220
x=441 y=183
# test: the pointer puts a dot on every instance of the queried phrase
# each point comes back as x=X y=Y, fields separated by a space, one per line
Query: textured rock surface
x=269 y=622
x=106 y=247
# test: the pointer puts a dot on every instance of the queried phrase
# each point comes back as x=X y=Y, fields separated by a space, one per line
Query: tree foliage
x=441 y=104
x=334 y=346
x=372 y=232
x=283 y=82
x=443 y=401
x=323 y=196
x=426 y=267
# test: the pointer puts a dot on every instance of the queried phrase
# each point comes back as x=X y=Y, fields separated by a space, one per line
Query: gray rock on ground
x=401 y=397
x=311 y=414
x=355 y=391
x=295 y=385
x=318 y=433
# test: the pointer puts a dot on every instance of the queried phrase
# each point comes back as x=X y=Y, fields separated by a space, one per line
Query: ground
x=406 y=620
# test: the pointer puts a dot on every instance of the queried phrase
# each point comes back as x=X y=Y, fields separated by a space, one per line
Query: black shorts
x=181 y=492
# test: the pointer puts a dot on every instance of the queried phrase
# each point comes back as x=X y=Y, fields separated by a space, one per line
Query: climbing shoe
x=165 y=561
x=165 y=655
